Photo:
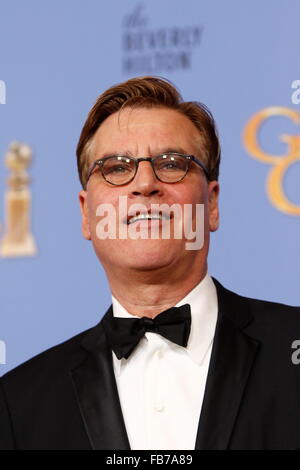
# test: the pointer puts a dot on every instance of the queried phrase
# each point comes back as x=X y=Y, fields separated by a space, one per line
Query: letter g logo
x=281 y=163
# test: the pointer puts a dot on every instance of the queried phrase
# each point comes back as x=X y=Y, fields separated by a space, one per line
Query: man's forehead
x=159 y=117
x=167 y=129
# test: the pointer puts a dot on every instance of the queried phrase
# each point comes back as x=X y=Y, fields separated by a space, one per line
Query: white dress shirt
x=161 y=385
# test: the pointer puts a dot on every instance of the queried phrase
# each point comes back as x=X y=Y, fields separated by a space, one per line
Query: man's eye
x=169 y=166
x=118 y=169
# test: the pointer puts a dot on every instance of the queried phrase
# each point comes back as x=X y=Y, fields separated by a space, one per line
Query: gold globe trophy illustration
x=18 y=240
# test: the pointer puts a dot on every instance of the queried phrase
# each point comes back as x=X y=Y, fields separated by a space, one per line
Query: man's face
x=144 y=132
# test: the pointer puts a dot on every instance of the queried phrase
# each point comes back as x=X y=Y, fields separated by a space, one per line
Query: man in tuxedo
x=177 y=361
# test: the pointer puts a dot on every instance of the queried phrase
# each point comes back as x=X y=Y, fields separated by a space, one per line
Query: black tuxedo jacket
x=67 y=398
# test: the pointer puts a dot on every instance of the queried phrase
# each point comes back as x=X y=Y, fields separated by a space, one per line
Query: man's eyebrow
x=171 y=150
x=125 y=153
x=128 y=153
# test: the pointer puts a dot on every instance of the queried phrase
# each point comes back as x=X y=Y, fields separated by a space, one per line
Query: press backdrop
x=56 y=57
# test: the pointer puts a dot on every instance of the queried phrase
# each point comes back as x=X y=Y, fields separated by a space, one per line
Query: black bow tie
x=124 y=334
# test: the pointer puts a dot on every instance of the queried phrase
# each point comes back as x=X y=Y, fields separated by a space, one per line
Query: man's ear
x=213 y=205
x=84 y=214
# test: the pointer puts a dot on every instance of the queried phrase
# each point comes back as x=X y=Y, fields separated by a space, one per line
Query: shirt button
x=160 y=353
x=159 y=407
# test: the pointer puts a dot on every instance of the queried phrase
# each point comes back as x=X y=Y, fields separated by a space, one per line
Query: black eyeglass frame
x=136 y=161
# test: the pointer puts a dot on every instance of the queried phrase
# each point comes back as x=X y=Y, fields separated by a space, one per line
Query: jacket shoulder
x=265 y=315
x=53 y=360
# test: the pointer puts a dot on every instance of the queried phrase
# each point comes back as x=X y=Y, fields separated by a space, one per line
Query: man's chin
x=148 y=265
x=150 y=256
x=140 y=254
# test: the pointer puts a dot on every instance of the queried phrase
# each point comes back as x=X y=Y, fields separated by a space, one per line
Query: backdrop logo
x=2 y=92
x=18 y=239
x=155 y=50
x=279 y=163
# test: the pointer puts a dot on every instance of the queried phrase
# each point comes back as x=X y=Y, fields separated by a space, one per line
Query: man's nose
x=145 y=181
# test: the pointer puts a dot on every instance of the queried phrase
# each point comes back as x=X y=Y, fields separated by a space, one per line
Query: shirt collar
x=203 y=301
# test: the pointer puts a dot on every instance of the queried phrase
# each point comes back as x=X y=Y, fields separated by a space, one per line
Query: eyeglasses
x=168 y=167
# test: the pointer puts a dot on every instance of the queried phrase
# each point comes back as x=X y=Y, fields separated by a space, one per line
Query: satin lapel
x=97 y=394
x=231 y=361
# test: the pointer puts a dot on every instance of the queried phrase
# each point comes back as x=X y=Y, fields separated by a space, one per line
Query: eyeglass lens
x=168 y=168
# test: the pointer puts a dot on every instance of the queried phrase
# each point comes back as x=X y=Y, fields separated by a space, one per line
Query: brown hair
x=148 y=92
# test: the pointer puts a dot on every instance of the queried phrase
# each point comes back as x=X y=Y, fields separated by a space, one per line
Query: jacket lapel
x=97 y=394
x=230 y=365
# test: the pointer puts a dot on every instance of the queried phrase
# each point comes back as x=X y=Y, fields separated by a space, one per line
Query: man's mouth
x=131 y=219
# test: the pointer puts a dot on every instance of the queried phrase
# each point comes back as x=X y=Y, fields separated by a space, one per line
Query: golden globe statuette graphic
x=18 y=240
x=280 y=163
